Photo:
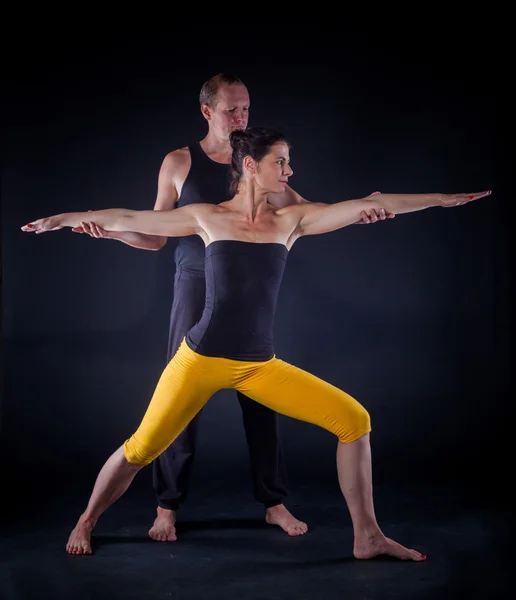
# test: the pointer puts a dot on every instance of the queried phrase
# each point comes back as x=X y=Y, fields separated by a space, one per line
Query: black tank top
x=242 y=284
x=208 y=182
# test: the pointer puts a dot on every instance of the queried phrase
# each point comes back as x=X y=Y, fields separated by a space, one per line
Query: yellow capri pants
x=190 y=379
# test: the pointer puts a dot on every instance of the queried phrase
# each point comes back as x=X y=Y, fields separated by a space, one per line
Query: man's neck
x=217 y=148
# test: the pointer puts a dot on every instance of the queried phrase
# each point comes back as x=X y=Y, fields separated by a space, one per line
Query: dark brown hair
x=255 y=142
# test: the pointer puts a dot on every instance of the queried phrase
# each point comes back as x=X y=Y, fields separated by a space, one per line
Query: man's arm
x=313 y=219
x=172 y=171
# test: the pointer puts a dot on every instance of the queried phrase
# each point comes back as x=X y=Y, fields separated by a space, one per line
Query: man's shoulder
x=177 y=157
x=175 y=165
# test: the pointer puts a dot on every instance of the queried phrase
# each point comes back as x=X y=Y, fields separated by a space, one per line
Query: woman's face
x=273 y=171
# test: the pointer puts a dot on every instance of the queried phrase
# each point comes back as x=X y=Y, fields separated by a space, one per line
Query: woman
x=247 y=243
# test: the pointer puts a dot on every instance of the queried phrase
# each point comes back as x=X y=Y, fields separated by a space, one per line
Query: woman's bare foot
x=378 y=544
x=79 y=541
x=164 y=528
x=279 y=515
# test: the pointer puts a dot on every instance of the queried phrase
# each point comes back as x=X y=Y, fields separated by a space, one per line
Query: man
x=200 y=173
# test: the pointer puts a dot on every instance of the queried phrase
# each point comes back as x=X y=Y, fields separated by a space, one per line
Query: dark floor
x=225 y=550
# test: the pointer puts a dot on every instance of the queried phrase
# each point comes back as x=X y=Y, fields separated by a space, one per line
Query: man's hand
x=96 y=231
x=374 y=215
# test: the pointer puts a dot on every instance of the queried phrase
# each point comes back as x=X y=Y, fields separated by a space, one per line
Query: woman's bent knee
x=358 y=427
x=137 y=455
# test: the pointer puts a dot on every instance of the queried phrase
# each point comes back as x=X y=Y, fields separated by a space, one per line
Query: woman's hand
x=43 y=225
x=449 y=200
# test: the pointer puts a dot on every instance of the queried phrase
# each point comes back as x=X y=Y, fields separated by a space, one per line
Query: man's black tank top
x=242 y=285
x=206 y=182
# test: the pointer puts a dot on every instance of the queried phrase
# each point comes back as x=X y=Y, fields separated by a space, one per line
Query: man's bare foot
x=378 y=544
x=279 y=515
x=164 y=528
x=79 y=541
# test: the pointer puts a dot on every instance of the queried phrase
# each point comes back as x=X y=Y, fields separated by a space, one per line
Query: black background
x=411 y=316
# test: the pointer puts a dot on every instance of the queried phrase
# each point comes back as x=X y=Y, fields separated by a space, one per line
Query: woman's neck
x=251 y=201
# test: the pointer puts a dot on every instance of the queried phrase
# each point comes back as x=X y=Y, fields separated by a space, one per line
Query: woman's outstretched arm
x=315 y=219
x=178 y=222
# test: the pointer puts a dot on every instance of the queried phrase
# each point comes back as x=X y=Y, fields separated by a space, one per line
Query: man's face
x=230 y=110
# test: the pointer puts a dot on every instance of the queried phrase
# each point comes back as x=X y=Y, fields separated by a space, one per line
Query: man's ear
x=206 y=111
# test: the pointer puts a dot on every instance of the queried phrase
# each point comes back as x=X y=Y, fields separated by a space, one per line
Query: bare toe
x=280 y=516
x=379 y=545
x=79 y=540
x=164 y=527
